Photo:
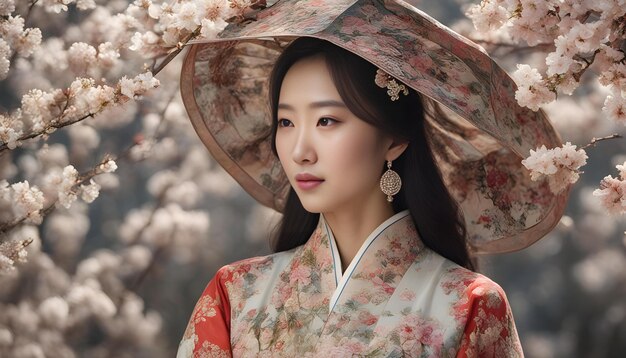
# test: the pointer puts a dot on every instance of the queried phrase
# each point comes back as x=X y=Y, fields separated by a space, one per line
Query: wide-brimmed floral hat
x=479 y=145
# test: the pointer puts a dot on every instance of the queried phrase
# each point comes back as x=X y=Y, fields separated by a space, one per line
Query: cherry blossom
x=612 y=192
x=560 y=165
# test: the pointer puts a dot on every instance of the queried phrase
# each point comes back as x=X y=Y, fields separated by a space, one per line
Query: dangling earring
x=390 y=182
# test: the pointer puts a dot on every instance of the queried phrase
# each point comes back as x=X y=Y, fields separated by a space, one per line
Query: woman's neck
x=352 y=227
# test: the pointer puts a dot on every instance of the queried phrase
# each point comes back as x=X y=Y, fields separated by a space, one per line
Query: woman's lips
x=308 y=184
x=308 y=181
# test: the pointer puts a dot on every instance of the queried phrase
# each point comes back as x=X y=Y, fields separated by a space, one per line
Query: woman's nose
x=303 y=149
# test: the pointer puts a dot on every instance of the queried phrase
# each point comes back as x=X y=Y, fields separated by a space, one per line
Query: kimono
x=397 y=298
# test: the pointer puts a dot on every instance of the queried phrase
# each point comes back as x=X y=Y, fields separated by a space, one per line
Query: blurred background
x=120 y=276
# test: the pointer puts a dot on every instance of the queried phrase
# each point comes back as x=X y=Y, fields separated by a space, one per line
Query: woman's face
x=318 y=135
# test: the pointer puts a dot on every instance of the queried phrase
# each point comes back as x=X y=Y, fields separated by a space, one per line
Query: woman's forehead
x=308 y=82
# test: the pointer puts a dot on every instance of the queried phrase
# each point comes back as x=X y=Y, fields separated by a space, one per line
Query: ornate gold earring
x=390 y=182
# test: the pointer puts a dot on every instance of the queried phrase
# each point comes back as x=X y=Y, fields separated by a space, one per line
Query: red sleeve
x=208 y=330
x=490 y=330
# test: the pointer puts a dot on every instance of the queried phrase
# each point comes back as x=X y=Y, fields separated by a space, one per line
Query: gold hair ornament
x=384 y=80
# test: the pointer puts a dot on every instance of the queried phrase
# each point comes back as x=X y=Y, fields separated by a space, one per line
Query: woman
x=371 y=255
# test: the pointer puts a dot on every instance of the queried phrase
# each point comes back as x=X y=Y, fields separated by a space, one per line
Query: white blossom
x=36 y=106
x=51 y=55
x=84 y=137
x=136 y=258
x=143 y=42
x=54 y=311
x=90 y=192
x=138 y=85
x=108 y=167
x=85 y=4
x=532 y=91
x=210 y=28
x=6 y=265
x=81 y=56
x=28 y=350
x=29 y=41
x=90 y=296
x=615 y=107
x=6 y=337
x=12 y=29
x=67 y=192
x=11 y=129
x=5 y=54
x=55 y=6
x=560 y=165
x=27 y=201
x=7 y=7
x=65 y=231
x=185 y=16
x=108 y=55
x=487 y=15
x=612 y=192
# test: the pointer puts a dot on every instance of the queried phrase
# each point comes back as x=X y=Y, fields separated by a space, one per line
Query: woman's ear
x=396 y=149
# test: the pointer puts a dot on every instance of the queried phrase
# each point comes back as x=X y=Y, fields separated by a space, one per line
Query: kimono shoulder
x=208 y=330
x=489 y=329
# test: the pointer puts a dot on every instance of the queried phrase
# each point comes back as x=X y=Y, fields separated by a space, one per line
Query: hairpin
x=384 y=80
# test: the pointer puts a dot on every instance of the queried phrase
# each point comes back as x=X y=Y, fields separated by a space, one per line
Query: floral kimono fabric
x=397 y=298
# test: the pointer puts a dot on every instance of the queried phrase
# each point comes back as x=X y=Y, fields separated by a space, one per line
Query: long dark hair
x=435 y=213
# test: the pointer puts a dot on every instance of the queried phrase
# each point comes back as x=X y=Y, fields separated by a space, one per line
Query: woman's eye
x=326 y=121
x=284 y=122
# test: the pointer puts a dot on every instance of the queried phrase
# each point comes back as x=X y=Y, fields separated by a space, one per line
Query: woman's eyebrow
x=319 y=104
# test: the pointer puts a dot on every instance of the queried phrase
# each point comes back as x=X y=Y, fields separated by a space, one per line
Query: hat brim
x=479 y=151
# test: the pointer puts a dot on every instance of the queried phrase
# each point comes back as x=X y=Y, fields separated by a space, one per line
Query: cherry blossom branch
x=595 y=140
x=103 y=167
x=54 y=125
x=175 y=51
x=84 y=95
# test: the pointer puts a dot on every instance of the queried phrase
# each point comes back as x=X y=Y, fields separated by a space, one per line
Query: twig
x=54 y=125
x=595 y=140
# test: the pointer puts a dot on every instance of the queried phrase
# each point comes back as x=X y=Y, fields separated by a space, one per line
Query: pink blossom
x=487 y=15
x=612 y=192
x=301 y=274
x=7 y=7
x=560 y=165
x=11 y=129
x=210 y=28
x=90 y=192
x=5 y=53
x=615 y=107
x=81 y=56
x=532 y=91
x=27 y=201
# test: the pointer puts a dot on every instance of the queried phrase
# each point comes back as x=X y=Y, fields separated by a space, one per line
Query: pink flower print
x=284 y=292
x=484 y=220
x=279 y=345
x=361 y=298
x=312 y=301
x=496 y=178
x=265 y=337
x=407 y=295
x=420 y=63
x=353 y=24
x=369 y=10
x=394 y=261
x=366 y=318
x=300 y=274
x=377 y=281
x=396 y=22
